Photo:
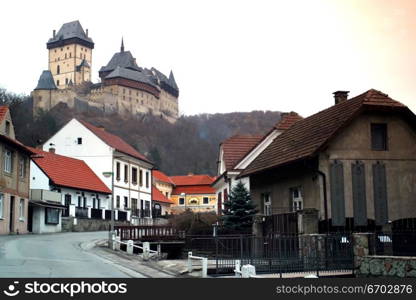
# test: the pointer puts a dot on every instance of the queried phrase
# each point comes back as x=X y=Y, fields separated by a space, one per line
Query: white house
x=59 y=183
x=108 y=154
x=237 y=152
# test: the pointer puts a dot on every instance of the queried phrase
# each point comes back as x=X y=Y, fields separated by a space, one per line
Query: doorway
x=30 y=219
x=11 y=224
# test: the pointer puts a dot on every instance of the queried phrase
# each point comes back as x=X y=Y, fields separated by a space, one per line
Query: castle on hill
x=124 y=88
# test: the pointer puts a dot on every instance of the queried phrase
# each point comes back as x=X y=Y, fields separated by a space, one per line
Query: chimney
x=52 y=150
x=86 y=32
x=101 y=127
x=54 y=33
x=190 y=174
x=340 y=96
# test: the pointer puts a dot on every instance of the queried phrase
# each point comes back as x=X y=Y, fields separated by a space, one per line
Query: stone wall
x=68 y=224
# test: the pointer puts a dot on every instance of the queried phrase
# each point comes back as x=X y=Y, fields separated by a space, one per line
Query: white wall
x=38 y=179
x=39 y=225
x=104 y=203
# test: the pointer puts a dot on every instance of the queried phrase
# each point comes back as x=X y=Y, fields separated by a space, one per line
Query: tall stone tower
x=70 y=55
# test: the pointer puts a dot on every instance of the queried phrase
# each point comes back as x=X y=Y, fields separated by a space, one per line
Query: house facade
x=14 y=179
x=123 y=169
x=238 y=151
x=64 y=187
x=349 y=167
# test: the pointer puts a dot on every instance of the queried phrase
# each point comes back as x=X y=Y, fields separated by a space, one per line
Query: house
x=161 y=203
x=352 y=166
x=162 y=192
x=14 y=178
x=64 y=186
x=193 y=192
x=122 y=168
x=238 y=151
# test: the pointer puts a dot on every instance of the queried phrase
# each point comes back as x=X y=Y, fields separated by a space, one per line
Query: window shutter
x=358 y=194
x=337 y=194
x=380 y=194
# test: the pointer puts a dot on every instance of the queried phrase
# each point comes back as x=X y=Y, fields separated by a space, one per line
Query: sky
x=231 y=55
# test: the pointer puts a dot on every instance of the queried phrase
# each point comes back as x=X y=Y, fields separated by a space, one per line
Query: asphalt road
x=56 y=255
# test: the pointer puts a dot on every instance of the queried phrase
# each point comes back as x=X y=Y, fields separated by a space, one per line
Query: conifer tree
x=239 y=210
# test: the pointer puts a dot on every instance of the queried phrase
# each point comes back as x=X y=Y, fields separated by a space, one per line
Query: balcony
x=45 y=196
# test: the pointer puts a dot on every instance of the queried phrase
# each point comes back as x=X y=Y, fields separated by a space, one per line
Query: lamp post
x=107 y=175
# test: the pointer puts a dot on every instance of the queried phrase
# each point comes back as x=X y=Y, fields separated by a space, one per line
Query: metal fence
x=392 y=243
x=81 y=212
x=96 y=213
x=276 y=254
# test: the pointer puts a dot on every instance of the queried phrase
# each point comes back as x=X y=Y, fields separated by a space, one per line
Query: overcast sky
x=231 y=55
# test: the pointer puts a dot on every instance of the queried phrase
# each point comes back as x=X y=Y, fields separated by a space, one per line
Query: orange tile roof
x=192 y=180
x=160 y=176
x=306 y=137
x=68 y=172
x=3 y=111
x=159 y=197
x=236 y=147
x=195 y=189
x=287 y=120
x=114 y=141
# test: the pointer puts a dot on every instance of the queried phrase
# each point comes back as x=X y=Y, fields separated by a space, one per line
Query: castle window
x=62 y=49
x=58 y=70
x=124 y=91
x=70 y=54
x=57 y=82
x=82 y=48
x=129 y=92
x=65 y=56
x=66 y=80
x=67 y=48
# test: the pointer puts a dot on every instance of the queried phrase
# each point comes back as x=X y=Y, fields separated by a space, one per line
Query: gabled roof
x=16 y=144
x=3 y=112
x=236 y=147
x=195 y=189
x=71 y=30
x=123 y=59
x=159 y=197
x=68 y=172
x=192 y=180
x=46 y=81
x=130 y=74
x=287 y=120
x=114 y=141
x=162 y=177
x=308 y=136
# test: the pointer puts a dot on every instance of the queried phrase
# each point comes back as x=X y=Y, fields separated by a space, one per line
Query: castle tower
x=70 y=55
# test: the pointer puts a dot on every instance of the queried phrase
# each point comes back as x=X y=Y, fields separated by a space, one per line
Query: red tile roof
x=3 y=111
x=160 y=176
x=195 y=189
x=114 y=141
x=15 y=143
x=192 y=180
x=236 y=147
x=159 y=197
x=306 y=137
x=287 y=120
x=68 y=172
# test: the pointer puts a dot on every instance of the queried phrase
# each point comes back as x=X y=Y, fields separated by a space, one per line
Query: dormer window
x=379 y=137
x=7 y=128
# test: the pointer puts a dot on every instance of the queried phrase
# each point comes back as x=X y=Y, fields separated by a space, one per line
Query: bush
x=194 y=223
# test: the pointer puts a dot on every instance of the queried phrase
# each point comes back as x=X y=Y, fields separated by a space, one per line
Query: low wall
x=87 y=224
x=387 y=266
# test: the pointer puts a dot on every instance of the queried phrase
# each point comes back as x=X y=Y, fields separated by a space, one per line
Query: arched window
x=58 y=70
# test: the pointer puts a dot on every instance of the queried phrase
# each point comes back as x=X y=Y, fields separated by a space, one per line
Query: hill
x=189 y=145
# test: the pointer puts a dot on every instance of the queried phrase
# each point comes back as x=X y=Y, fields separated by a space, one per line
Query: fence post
x=189 y=262
x=72 y=210
x=204 y=267
x=116 y=215
x=247 y=271
x=129 y=247
x=159 y=251
x=241 y=247
x=103 y=214
x=146 y=250
x=237 y=268
x=117 y=243
x=317 y=255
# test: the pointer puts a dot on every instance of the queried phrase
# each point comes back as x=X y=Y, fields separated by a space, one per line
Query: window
x=22 y=209
x=126 y=173
x=297 y=201
x=22 y=167
x=134 y=206
x=7 y=128
x=51 y=216
x=79 y=141
x=8 y=161
x=118 y=202
x=181 y=201
x=1 y=205
x=205 y=200
x=379 y=137
x=118 y=171
x=147 y=179
x=141 y=177
x=147 y=209
x=134 y=175
x=57 y=82
x=79 y=201
x=66 y=80
x=267 y=204
x=126 y=202
x=70 y=54
x=58 y=70
x=67 y=200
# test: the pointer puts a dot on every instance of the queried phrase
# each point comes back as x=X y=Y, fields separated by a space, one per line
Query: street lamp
x=107 y=175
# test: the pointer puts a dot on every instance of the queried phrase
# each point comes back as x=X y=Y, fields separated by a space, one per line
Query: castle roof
x=132 y=75
x=46 y=81
x=168 y=84
x=84 y=63
x=172 y=81
x=123 y=59
x=70 y=32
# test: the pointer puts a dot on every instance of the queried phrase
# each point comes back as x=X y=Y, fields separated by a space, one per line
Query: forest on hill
x=189 y=146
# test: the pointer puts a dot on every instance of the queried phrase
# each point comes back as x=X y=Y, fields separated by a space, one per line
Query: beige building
x=353 y=164
x=14 y=179
x=125 y=88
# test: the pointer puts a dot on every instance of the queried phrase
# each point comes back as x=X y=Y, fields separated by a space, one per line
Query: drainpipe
x=325 y=198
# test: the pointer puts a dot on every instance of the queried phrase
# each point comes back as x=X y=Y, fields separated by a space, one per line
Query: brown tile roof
x=162 y=177
x=195 y=189
x=159 y=197
x=3 y=111
x=287 y=120
x=192 y=180
x=306 y=137
x=236 y=147
x=114 y=141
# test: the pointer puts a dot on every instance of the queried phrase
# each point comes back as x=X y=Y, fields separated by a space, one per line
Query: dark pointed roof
x=306 y=137
x=168 y=84
x=69 y=33
x=46 y=81
x=130 y=74
x=122 y=45
x=84 y=63
x=172 y=81
x=122 y=59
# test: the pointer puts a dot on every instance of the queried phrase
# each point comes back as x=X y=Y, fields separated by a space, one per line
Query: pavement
x=69 y=254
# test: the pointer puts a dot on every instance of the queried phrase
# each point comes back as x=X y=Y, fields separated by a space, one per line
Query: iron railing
x=148 y=233
x=81 y=212
x=122 y=215
x=96 y=213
